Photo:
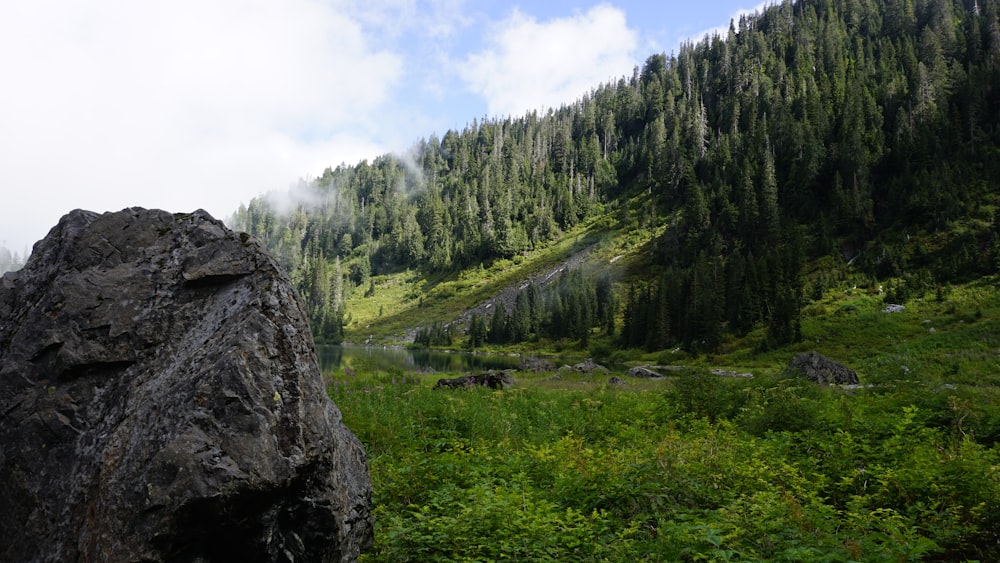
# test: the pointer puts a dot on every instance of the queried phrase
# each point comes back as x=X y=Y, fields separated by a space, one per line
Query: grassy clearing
x=947 y=337
x=403 y=300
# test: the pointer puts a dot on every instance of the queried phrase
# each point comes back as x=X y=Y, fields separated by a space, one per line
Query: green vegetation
x=570 y=307
x=702 y=467
x=761 y=193
x=695 y=467
x=817 y=132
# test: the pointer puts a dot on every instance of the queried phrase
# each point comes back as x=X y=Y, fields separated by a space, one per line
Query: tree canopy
x=815 y=128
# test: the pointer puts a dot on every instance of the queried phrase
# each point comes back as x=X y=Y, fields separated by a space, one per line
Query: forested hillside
x=843 y=132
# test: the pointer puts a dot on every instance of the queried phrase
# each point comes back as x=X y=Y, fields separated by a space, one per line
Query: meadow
x=699 y=467
x=694 y=468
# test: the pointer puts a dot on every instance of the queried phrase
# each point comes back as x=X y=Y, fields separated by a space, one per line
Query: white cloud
x=108 y=104
x=430 y=18
x=531 y=65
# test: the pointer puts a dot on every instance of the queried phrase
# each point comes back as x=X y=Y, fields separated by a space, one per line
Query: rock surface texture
x=536 y=364
x=160 y=400
x=588 y=366
x=491 y=379
x=644 y=372
x=819 y=368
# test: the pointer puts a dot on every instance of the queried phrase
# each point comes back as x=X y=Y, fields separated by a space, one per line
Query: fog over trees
x=11 y=261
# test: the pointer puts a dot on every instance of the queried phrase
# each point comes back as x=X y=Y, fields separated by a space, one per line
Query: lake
x=392 y=360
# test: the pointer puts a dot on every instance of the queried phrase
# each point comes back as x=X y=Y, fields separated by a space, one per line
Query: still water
x=373 y=360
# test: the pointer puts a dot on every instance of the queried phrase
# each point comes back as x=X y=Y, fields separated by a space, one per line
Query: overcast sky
x=190 y=104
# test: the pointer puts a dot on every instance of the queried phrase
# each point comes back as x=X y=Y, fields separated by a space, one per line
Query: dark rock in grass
x=500 y=380
x=491 y=379
x=460 y=382
x=588 y=366
x=535 y=364
x=644 y=372
x=821 y=369
x=616 y=381
x=160 y=400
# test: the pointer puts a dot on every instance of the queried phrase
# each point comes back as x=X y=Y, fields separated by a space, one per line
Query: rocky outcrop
x=643 y=372
x=491 y=379
x=160 y=400
x=821 y=369
x=535 y=364
x=588 y=367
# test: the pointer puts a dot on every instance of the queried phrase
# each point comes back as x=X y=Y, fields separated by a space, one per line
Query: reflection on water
x=390 y=360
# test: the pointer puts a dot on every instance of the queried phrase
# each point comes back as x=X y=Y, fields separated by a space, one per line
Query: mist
x=12 y=261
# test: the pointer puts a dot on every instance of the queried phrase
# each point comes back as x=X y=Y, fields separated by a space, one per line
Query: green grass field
x=691 y=467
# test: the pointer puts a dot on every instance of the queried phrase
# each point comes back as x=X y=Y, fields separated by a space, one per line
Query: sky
x=191 y=104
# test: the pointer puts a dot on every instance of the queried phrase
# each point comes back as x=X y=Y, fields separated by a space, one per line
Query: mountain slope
x=863 y=136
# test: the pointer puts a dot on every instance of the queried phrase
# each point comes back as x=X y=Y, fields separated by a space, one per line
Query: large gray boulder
x=820 y=369
x=160 y=400
x=589 y=366
x=535 y=364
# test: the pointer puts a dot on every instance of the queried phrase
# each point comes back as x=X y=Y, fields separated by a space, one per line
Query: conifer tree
x=498 y=333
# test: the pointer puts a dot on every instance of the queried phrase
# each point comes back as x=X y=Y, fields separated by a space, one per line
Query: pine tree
x=477 y=332
x=498 y=325
x=658 y=311
x=520 y=320
x=606 y=303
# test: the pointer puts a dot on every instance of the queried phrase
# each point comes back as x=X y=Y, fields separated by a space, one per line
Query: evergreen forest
x=860 y=131
x=763 y=192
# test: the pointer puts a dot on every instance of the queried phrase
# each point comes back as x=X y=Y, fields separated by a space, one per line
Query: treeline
x=694 y=306
x=571 y=307
x=859 y=129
